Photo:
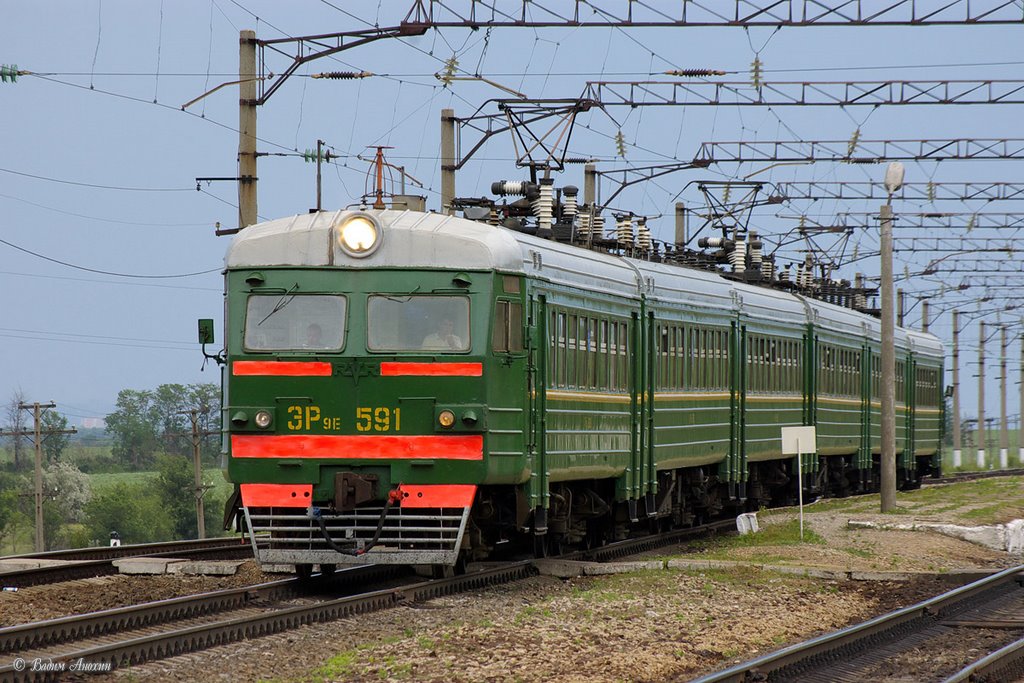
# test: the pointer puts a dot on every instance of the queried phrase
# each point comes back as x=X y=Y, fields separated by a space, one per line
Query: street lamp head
x=894 y=177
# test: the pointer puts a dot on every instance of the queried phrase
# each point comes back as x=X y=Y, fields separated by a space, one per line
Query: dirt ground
x=662 y=625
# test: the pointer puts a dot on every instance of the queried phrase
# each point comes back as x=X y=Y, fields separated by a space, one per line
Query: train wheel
x=303 y=571
x=328 y=569
x=540 y=545
x=596 y=534
x=444 y=571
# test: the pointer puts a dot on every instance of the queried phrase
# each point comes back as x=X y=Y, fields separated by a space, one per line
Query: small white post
x=800 y=484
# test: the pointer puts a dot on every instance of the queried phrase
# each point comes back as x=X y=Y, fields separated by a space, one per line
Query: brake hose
x=394 y=496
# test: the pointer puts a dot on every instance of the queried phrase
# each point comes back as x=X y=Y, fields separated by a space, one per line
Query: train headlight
x=263 y=419
x=359 y=235
x=446 y=418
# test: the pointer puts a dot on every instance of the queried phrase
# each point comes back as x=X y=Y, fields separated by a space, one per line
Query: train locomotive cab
x=355 y=403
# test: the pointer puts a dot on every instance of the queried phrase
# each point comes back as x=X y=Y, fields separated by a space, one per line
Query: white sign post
x=797 y=441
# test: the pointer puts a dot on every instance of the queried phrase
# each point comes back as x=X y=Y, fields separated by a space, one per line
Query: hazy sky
x=109 y=254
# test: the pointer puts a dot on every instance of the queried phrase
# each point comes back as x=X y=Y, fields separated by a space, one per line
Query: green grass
x=770 y=536
x=212 y=476
x=360 y=662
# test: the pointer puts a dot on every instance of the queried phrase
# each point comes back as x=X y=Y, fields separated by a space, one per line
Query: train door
x=863 y=463
x=649 y=475
x=538 y=377
x=909 y=461
x=637 y=365
x=738 y=474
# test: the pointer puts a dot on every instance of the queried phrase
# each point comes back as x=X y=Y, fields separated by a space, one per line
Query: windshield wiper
x=401 y=298
x=281 y=303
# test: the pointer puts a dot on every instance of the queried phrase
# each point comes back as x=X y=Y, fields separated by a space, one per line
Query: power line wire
x=105 y=272
x=99 y=187
x=109 y=282
x=103 y=220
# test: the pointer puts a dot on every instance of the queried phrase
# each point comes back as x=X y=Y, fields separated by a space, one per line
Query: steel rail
x=83 y=569
x=885 y=627
x=631 y=546
x=1005 y=664
x=128 y=550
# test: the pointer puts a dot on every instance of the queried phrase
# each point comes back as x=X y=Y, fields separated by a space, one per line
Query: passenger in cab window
x=444 y=338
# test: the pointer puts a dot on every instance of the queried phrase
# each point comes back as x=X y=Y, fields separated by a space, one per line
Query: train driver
x=444 y=338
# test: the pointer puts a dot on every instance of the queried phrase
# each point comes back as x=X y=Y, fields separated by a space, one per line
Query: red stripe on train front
x=392 y=369
x=276 y=495
x=456 y=447
x=281 y=368
x=437 y=495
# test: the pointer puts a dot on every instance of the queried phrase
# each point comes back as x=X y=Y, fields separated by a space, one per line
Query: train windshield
x=418 y=323
x=295 y=322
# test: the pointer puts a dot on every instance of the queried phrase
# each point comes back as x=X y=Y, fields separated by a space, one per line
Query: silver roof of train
x=412 y=239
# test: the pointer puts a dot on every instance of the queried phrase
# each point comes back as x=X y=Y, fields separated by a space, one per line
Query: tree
x=175 y=486
x=68 y=489
x=148 y=421
x=10 y=486
x=134 y=511
x=55 y=443
x=17 y=421
x=133 y=427
x=170 y=401
x=206 y=397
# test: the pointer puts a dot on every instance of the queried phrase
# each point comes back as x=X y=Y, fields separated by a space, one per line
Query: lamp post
x=893 y=182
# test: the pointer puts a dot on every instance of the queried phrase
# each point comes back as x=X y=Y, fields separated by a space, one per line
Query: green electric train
x=422 y=389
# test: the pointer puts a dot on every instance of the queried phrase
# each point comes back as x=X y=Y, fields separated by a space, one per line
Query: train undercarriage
x=584 y=514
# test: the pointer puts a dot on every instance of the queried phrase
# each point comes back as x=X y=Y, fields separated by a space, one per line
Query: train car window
x=701 y=359
x=623 y=356
x=695 y=349
x=716 y=352
x=510 y=283
x=602 y=352
x=560 y=346
x=592 y=351
x=572 y=356
x=612 y=355
x=711 y=359
x=583 y=344
x=439 y=324
x=294 y=322
x=678 y=379
x=900 y=382
x=508 y=326
x=722 y=365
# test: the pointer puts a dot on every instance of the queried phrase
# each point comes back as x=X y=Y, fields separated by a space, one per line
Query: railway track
x=970 y=476
x=949 y=629
x=129 y=550
x=140 y=633
x=88 y=562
